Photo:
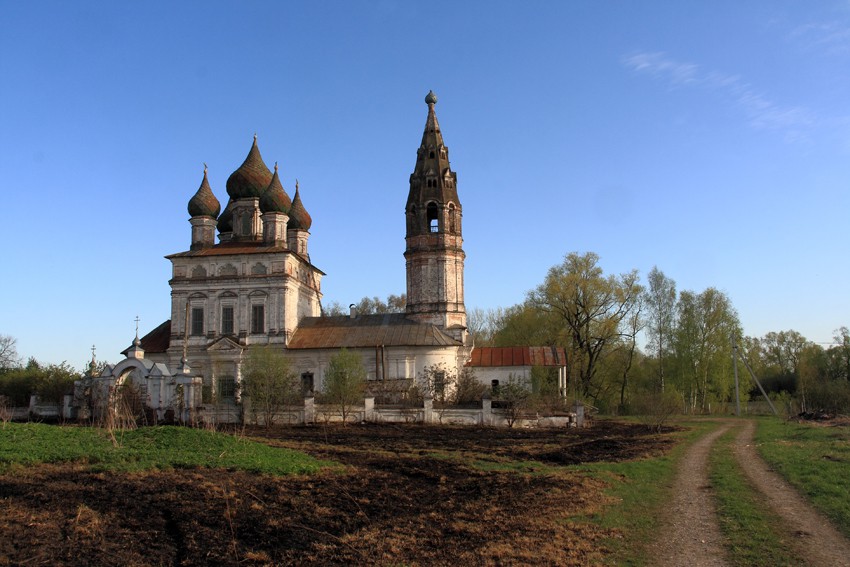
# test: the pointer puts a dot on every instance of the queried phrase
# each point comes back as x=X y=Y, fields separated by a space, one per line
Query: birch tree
x=591 y=307
x=660 y=300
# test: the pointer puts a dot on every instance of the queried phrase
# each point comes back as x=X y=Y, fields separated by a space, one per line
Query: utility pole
x=763 y=393
x=753 y=374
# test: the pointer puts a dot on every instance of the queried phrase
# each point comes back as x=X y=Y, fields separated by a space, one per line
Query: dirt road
x=691 y=534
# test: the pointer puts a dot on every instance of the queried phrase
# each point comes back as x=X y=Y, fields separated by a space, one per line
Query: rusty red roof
x=233 y=248
x=389 y=329
x=517 y=356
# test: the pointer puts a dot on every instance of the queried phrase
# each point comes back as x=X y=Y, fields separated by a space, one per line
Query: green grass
x=638 y=491
x=146 y=448
x=813 y=458
x=747 y=522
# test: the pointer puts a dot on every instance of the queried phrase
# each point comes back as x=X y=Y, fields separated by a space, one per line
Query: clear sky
x=711 y=139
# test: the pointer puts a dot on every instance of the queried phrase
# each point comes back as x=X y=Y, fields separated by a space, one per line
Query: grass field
x=815 y=459
x=161 y=448
x=577 y=497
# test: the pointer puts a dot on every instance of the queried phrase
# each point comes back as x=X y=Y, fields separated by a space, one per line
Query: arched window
x=433 y=217
x=452 y=224
x=431 y=155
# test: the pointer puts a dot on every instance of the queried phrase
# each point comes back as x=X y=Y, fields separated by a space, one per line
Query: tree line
x=686 y=356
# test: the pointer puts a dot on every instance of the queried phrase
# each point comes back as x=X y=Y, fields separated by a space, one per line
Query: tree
x=840 y=353
x=660 y=299
x=345 y=381
x=634 y=325
x=783 y=350
x=270 y=382
x=49 y=382
x=705 y=324
x=527 y=324
x=369 y=306
x=8 y=352
x=591 y=308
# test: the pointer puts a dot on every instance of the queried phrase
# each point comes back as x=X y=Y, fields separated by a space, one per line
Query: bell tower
x=434 y=251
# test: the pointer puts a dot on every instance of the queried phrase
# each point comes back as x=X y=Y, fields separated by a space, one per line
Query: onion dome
x=298 y=217
x=204 y=203
x=275 y=199
x=225 y=221
x=430 y=98
x=252 y=178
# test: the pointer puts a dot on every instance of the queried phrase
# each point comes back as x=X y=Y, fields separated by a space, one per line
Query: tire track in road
x=690 y=535
x=817 y=541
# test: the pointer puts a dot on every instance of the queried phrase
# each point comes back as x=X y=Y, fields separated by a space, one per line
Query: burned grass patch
x=405 y=495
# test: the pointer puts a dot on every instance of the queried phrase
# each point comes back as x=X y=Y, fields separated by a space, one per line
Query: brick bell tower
x=434 y=238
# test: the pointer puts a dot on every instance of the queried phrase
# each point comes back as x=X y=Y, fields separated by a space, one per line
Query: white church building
x=257 y=285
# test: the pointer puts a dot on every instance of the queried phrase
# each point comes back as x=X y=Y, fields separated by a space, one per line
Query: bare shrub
x=5 y=412
x=515 y=398
x=655 y=408
x=125 y=411
x=468 y=389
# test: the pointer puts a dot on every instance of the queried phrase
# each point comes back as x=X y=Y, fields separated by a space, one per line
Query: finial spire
x=275 y=167
x=296 y=184
x=136 y=341
x=205 y=168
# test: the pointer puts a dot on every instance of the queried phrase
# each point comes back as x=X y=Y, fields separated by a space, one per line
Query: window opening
x=307 y=384
x=258 y=316
x=440 y=385
x=433 y=220
x=494 y=387
x=197 y=321
x=227 y=320
x=227 y=388
x=206 y=391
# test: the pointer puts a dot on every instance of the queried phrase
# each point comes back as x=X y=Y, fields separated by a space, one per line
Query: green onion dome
x=225 y=221
x=252 y=178
x=275 y=199
x=203 y=203
x=298 y=217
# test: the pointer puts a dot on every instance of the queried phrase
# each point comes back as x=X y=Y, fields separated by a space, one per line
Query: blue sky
x=711 y=139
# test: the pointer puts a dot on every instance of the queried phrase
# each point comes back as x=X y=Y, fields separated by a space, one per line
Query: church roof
x=483 y=357
x=365 y=331
x=432 y=165
x=157 y=340
x=203 y=203
x=232 y=248
x=275 y=199
x=225 y=221
x=251 y=178
x=299 y=218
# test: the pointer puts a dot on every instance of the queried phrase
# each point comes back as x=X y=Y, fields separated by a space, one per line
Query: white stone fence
x=368 y=412
x=311 y=412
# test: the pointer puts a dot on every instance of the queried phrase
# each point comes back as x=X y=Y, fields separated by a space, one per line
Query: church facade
x=257 y=285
